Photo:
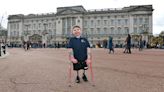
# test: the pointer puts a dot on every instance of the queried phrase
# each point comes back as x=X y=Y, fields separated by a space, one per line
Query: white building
x=98 y=25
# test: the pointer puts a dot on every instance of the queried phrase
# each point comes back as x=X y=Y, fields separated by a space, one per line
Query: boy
x=79 y=53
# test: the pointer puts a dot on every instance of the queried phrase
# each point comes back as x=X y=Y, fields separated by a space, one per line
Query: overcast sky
x=9 y=7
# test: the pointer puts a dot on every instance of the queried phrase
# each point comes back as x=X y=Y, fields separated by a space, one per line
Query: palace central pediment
x=70 y=10
x=142 y=8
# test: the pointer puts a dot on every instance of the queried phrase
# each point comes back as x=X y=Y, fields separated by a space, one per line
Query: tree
x=158 y=40
x=161 y=35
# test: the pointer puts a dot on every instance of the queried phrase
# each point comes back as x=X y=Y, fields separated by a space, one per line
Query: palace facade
x=97 y=25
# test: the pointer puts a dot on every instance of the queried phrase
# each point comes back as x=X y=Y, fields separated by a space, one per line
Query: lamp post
x=26 y=33
x=144 y=31
x=45 y=29
x=86 y=34
x=55 y=36
x=44 y=33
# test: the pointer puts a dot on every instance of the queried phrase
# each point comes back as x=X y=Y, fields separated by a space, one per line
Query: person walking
x=110 y=45
x=141 y=45
x=128 y=40
x=128 y=44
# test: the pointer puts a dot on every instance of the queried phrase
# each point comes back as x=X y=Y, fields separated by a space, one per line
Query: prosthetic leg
x=70 y=73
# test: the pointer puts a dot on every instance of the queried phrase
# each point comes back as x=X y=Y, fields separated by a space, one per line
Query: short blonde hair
x=76 y=26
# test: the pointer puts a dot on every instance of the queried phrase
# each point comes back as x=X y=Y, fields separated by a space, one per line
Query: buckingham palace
x=97 y=25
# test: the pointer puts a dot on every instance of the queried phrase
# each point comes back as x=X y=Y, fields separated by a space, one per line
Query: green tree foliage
x=158 y=40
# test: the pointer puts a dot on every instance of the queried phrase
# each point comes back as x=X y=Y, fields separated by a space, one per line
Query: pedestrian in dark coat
x=110 y=45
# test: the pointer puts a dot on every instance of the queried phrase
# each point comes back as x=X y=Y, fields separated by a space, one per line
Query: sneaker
x=84 y=78
x=77 y=79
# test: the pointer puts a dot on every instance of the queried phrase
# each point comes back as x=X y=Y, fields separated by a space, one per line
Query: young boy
x=79 y=52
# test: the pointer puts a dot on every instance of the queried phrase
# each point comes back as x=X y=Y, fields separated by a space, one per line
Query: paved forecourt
x=46 y=70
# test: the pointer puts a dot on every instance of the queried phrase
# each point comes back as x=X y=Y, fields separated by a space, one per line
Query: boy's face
x=76 y=31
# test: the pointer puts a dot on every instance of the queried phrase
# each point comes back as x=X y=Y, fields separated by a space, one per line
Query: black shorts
x=80 y=65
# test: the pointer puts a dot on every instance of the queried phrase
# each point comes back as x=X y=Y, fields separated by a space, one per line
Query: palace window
x=105 y=22
x=98 y=30
x=146 y=20
x=112 y=30
x=105 y=31
x=98 y=22
x=135 y=30
x=126 y=21
x=85 y=23
x=91 y=22
x=135 y=21
x=119 y=22
x=112 y=22
x=141 y=20
x=73 y=21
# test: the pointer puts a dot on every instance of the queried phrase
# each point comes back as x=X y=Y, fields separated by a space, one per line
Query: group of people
x=26 y=45
x=127 y=45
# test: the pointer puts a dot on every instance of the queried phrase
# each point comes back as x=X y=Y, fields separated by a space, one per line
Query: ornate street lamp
x=144 y=31
x=44 y=33
x=26 y=33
